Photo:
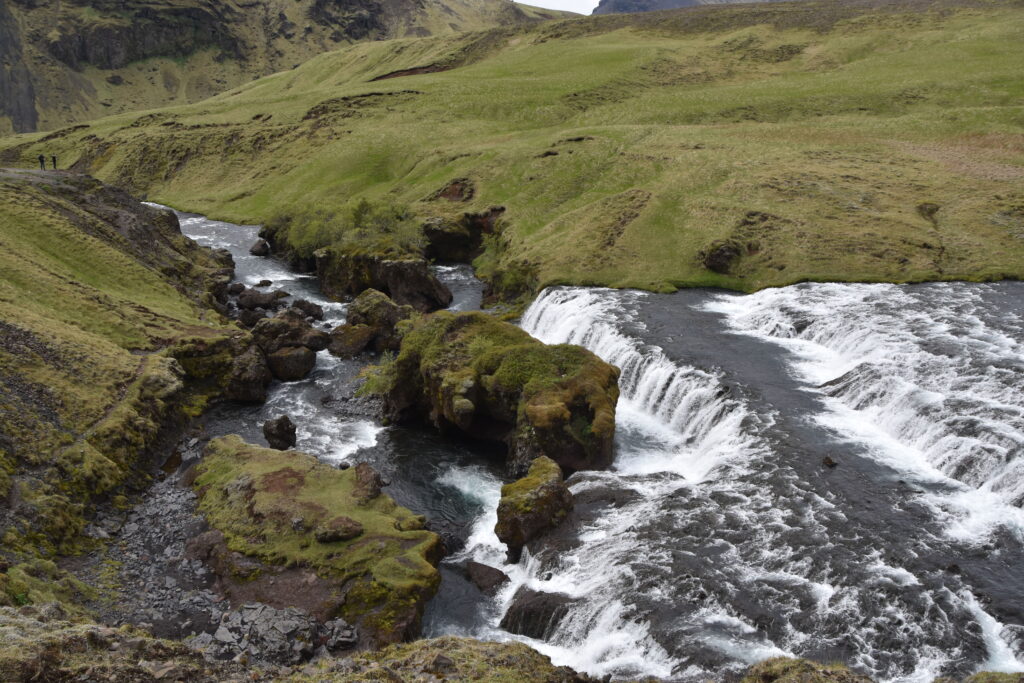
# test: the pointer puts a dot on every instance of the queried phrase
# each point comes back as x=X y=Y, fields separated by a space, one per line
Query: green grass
x=88 y=318
x=832 y=121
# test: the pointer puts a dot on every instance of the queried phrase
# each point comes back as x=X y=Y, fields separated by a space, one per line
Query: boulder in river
x=260 y=248
x=310 y=309
x=280 y=432
x=490 y=380
x=378 y=581
x=532 y=505
x=288 y=328
x=485 y=577
x=251 y=299
x=372 y=322
x=291 y=363
x=235 y=288
x=535 y=614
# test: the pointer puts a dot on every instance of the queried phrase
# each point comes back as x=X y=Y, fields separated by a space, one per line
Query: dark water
x=720 y=537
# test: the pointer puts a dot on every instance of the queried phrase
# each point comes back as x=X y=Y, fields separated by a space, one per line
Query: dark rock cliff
x=625 y=6
x=17 y=96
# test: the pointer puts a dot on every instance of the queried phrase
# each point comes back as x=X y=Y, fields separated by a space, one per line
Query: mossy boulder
x=407 y=280
x=288 y=328
x=371 y=322
x=360 y=555
x=789 y=670
x=532 y=505
x=291 y=363
x=486 y=378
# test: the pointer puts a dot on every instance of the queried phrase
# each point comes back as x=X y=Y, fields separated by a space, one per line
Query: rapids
x=719 y=537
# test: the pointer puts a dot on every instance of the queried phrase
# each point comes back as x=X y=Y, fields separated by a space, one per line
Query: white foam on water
x=1000 y=656
x=929 y=379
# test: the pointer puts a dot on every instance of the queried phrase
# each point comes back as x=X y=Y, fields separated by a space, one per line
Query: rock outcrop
x=406 y=280
x=485 y=577
x=371 y=322
x=472 y=373
x=290 y=531
x=532 y=505
x=290 y=344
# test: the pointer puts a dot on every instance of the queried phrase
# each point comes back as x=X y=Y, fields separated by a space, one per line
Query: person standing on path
x=54 y=160
x=42 y=163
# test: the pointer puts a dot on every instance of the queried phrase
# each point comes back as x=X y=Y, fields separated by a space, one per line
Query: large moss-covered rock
x=490 y=380
x=407 y=280
x=371 y=322
x=532 y=505
x=299 y=533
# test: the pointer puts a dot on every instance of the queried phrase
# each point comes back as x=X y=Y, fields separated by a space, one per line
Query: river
x=833 y=471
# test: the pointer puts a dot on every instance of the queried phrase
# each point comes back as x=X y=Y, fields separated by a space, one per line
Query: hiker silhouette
x=42 y=163
x=54 y=160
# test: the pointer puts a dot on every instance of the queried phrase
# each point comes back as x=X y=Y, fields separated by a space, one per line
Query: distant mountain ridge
x=627 y=6
x=67 y=61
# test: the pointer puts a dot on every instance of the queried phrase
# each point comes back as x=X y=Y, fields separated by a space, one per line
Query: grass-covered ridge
x=100 y=298
x=861 y=140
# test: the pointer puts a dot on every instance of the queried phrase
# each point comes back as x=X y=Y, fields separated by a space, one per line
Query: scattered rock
x=236 y=288
x=260 y=248
x=368 y=483
x=720 y=256
x=291 y=363
x=279 y=433
x=532 y=505
x=250 y=318
x=827 y=461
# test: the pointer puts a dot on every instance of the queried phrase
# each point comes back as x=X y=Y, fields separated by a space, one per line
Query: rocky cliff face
x=624 y=6
x=63 y=61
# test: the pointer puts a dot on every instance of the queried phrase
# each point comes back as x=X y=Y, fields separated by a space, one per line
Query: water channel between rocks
x=720 y=537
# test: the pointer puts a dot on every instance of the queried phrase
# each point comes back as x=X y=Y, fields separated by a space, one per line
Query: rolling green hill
x=64 y=61
x=735 y=146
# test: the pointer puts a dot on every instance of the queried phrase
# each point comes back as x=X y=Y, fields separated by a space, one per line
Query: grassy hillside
x=66 y=61
x=97 y=292
x=863 y=140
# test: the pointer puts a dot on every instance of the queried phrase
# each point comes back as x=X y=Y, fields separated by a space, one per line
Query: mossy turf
x=96 y=294
x=255 y=495
x=790 y=670
x=812 y=136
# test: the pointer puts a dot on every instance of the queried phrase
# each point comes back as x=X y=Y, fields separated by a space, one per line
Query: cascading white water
x=927 y=376
x=707 y=519
x=688 y=408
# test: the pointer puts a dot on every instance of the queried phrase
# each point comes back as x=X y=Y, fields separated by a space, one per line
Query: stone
x=249 y=318
x=340 y=528
x=368 y=483
x=348 y=341
x=251 y=299
x=535 y=614
x=310 y=309
x=488 y=579
x=249 y=377
x=260 y=248
x=235 y=288
x=407 y=281
x=280 y=433
x=291 y=363
x=531 y=506
x=288 y=328
x=264 y=283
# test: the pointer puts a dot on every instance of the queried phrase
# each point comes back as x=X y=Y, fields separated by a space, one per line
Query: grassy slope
x=271 y=35
x=82 y=378
x=837 y=120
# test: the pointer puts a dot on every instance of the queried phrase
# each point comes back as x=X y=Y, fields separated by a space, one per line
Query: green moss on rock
x=490 y=380
x=532 y=505
x=273 y=506
x=789 y=670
